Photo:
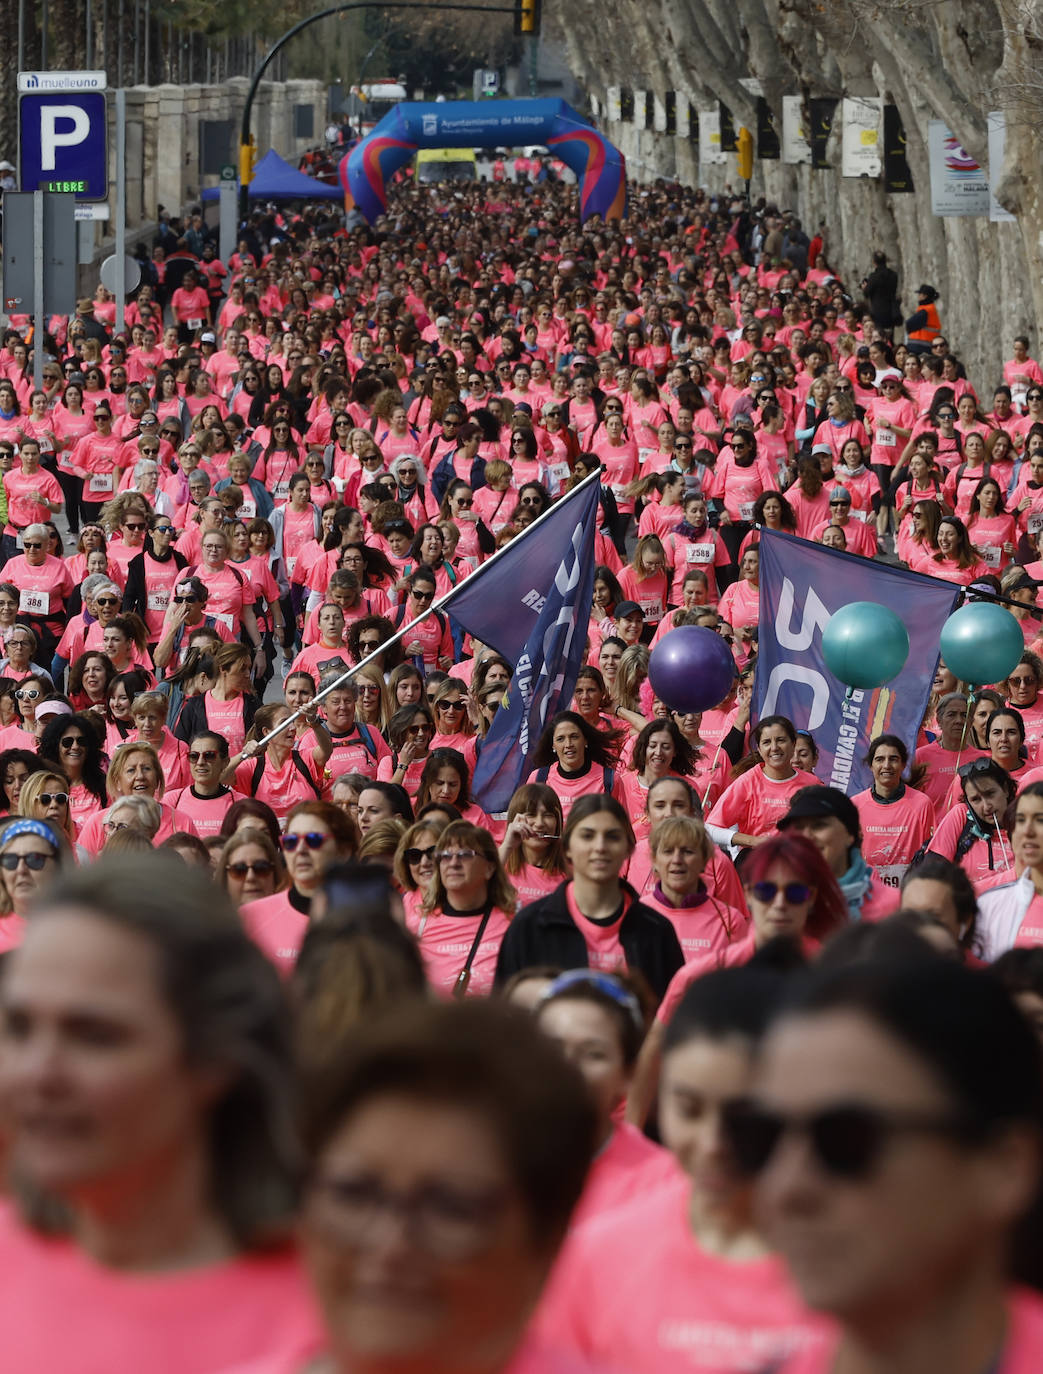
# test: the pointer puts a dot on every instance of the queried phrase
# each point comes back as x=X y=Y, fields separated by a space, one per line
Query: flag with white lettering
x=552 y=654
x=801 y=586
x=502 y=601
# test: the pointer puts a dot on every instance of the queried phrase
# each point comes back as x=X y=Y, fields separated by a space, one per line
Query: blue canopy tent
x=275 y=179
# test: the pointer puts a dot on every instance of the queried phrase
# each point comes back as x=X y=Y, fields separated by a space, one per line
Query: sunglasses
x=202 y=755
x=847 y=1140
x=446 y=705
x=794 y=893
x=33 y=544
x=422 y=596
x=314 y=839
x=242 y=867
x=162 y=529
x=840 y=503
x=71 y=741
x=34 y=861
x=27 y=693
x=48 y=798
x=444 y=856
x=415 y=856
x=185 y=600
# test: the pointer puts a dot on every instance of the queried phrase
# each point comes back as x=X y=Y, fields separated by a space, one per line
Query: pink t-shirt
x=705 y=928
x=627 y=1167
x=940 y=783
x=276 y=927
x=59 y=1310
x=892 y=832
x=604 y=950
x=225 y=718
x=445 y=942
x=755 y=803
x=1022 y=1349
x=667 y=1307
x=207 y=812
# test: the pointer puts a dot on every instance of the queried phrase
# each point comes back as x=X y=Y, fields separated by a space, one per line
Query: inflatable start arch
x=598 y=165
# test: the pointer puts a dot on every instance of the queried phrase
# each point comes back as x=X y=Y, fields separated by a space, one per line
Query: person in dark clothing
x=594 y=919
x=880 y=289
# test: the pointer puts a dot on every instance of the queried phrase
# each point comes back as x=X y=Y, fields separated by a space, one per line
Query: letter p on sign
x=61 y=126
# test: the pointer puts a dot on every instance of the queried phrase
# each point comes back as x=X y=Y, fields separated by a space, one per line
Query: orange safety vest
x=931 y=329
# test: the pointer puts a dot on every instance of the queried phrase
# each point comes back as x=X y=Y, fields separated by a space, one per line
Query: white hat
x=6 y=167
x=891 y=373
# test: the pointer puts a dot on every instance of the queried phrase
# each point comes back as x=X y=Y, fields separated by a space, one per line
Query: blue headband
x=26 y=826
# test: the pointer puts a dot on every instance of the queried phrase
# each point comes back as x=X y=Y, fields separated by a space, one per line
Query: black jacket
x=544 y=933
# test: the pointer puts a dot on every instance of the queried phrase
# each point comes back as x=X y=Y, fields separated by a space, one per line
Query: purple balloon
x=691 y=669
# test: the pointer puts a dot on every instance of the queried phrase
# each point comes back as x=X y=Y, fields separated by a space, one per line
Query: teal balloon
x=981 y=642
x=865 y=644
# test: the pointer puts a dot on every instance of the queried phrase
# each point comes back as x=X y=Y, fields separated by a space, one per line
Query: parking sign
x=63 y=133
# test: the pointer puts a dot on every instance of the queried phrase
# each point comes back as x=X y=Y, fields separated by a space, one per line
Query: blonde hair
x=118 y=765
x=29 y=797
x=499 y=891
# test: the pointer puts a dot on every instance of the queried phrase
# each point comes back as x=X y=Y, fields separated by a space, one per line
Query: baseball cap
x=822 y=803
x=208 y=338
x=626 y=608
x=891 y=373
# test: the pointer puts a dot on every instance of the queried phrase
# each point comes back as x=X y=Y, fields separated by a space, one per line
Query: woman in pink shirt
x=171 y=1203
x=893 y=1135
x=465 y=913
x=759 y=796
x=531 y=851
x=317 y=834
x=446 y=1109
x=684 y=1262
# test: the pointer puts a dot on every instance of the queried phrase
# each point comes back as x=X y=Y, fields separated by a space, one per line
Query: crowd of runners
x=685 y=1061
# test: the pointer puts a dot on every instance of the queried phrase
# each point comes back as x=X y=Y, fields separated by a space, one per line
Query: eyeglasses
x=202 y=755
x=1021 y=682
x=367 y=689
x=71 y=741
x=242 y=867
x=33 y=544
x=847 y=1140
x=449 y=706
x=794 y=893
x=10 y=862
x=416 y=856
x=445 y=856
x=314 y=839
x=50 y=798
x=442 y=1220
x=27 y=693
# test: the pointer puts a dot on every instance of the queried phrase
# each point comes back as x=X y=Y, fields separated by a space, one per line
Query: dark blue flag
x=552 y=578
x=502 y=601
x=801 y=586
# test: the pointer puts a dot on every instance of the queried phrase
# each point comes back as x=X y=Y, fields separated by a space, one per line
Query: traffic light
x=527 y=16
x=247 y=161
x=744 y=147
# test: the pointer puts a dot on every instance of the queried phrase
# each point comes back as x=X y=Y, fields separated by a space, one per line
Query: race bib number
x=1035 y=521
x=247 y=510
x=158 y=601
x=46 y=446
x=862 y=515
x=194 y=324
x=291 y=563
x=651 y=607
x=643 y=454
x=990 y=555
x=225 y=618
x=886 y=438
x=746 y=510
x=282 y=490
x=699 y=553
x=100 y=484
x=619 y=490
x=34 y=603
x=560 y=472
x=891 y=874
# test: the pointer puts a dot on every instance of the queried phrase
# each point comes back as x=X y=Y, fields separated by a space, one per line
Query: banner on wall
x=997 y=143
x=821 y=109
x=959 y=185
x=860 y=137
x=711 y=153
x=795 y=146
x=684 y=117
x=769 y=145
x=801 y=586
x=613 y=112
x=727 y=128
x=897 y=176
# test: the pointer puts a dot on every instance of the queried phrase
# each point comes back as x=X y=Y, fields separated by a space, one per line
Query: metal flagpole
x=435 y=605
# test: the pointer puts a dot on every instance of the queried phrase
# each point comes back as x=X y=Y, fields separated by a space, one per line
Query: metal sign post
x=121 y=205
x=39 y=260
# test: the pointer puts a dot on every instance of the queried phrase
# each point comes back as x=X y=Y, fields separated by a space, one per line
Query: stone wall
x=953 y=60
